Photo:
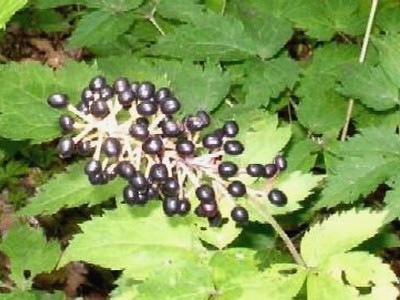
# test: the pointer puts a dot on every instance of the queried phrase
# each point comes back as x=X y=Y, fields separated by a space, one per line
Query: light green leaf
x=113 y=5
x=8 y=9
x=198 y=87
x=25 y=87
x=28 y=250
x=100 y=27
x=377 y=146
x=210 y=37
x=322 y=240
x=183 y=10
x=269 y=79
x=140 y=238
x=217 y=6
x=362 y=269
x=387 y=19
x=70 y=189
x=33 y=295
x=302 y=155
x=389 y=56
x=323 y=18
x=279 y=282
x=370 y=85
x=320 y=286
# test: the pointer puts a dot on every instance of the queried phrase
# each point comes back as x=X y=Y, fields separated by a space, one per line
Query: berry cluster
x=129 y=130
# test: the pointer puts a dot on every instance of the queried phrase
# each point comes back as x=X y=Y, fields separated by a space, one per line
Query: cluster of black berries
x=129 y=130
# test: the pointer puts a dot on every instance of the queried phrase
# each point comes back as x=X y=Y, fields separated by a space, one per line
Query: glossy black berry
x=236 y=188
x=270 y=170
x=143 y=121
x=135 y=87
x=216 y=221
x=83 y=107
x=130 y=195
x=152 y=193
x=170 y=128
x=204 y=117
x=106 y=93
x=139 y=131
x=230 y=128
x=66 y=147
x=111 y=147
x=92 y=167
x=193 y=123
x=99 y=108
x=98 y=178
x=205 y=193
x=185 y=147
x=146 y=108
x=125 y=169
x=66 y=123
x=170 y=106
x=126 y=98
x=97 y=83
x=158 y=172
x=139 y=182
x=227 y=169
x=280 y=162
x=146 y=90
x=87 y=95
x=209 y=208
x=121 y=84
x=184 y=207
x=240 y=215
x=233 y=147
x=277 y=197
x=162 y=94
x=84 y=148
x=171 y=206
x=143 y=198
x=255 y=170
x=170 y=187
x=212 y=141
x=58 y=100
x=152 y=145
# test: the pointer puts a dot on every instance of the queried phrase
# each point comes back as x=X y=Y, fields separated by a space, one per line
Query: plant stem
x=361 y=59
x=268 y=218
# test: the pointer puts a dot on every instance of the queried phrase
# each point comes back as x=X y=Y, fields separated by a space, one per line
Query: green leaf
x=113 y=5
x=321 y=286
x=387 y=19
x=210 y=37
x=69 y=189
x=182 y=10
x=198 y=87
x=339 y=234
x=370 y=85
x=25 y=113
x=217 y=6
x=389 y=56
x=323 y=18
x=362 y=269
x=279 y=282
x=392 y=200
x=8 y=9
x=269 y=79
x=140 y=238
x=302 y=155
x=35 y=254
x=33 y=295
x=100 y=27
x=352 y=177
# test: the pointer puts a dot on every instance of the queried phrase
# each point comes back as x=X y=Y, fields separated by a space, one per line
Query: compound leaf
x=69 y=189
x=35 y=255
x=322 y=240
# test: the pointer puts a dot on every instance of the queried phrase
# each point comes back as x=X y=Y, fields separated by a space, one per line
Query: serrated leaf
x=182 y=10
x=268 y=79
x=263 y=139
x=362 y=269
x=210 y=37
x=217 y=6
x=279 y=282
x=197 y=87
x=100 y=27
x=8 y=9
x=389 y=56
x=352 y=177
x=113 y=5
x=387 y=19
x=70 y=189
x=302 y=155
x=370 y=85
x=25 y=113
x=392 y=201
x=140 y=238
x=323 y=18
x=322 y=240
x=35 y=254
x=320 y=286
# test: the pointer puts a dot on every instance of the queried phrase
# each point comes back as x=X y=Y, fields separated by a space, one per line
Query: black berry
x=236 y=188
x=126 y=98
x=212 y=141
x=130 y=195
x=97 y=83
x=143 y=121
x=135 y=87
x=170 y=106
x=277 y=197
x=152 y=145
x=204 y=117
x=227 y=169
x=106 y=93
x=170 y=187
x=171 y=206
x=92 y=167
x=280 y=162
x=66 y=147
x=99 y=108
x=66 y=123
x=111 y=147
x=162 y=94
x=185 y=147
x=58 y=100
x=146 y=90
x=193 y=123
x=205 y=193
x=209 y=208
x=139 y=182
x=184 y=207
x=255 y=170
x=233 y=147
x=125 y=169
x=87 y=95
x=83 y=107
x=98 y=178
x=84 y=148
x=158 y=172
x=270 y=170
x=170 y=128
x=240 y=215
x=139 y=131
x=146 y=108
x=230 y=128
x=121 y=84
